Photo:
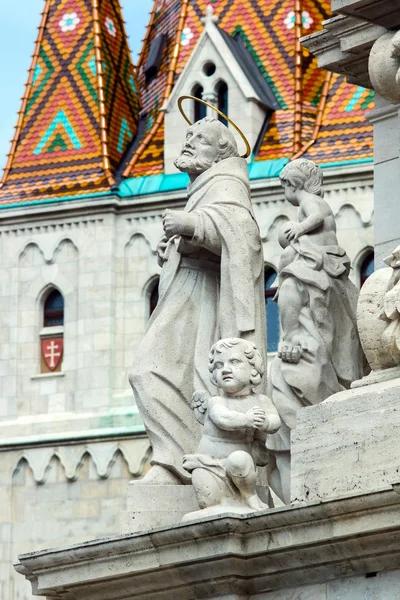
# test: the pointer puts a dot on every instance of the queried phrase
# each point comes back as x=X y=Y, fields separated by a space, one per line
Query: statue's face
x=201 y=149
x=290 y=192
x=232 y=371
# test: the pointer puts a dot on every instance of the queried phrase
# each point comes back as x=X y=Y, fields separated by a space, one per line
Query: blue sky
x=19 y=20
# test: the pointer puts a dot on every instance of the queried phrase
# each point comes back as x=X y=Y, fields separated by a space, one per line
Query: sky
x=19 y=20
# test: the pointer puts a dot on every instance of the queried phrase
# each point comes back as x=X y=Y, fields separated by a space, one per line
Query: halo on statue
x=182 y=98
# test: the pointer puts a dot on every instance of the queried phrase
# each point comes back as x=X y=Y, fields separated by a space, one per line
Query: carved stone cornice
x=382 y=12
x=344 y=45
x=290 y=546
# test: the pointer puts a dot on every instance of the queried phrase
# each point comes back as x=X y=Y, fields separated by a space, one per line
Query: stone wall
x=65 y=494
x=89 y=260
x=70 y=441
x=381 y=586
x=103 y=265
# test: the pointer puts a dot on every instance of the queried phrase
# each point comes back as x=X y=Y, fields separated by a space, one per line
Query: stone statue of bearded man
x=211 y=287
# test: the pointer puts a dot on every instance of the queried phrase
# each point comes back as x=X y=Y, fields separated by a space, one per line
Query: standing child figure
x=236 y=424
x=320 y=352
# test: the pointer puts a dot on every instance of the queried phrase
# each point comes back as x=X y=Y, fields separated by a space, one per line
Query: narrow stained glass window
x=200 y=110
x=223 y=101
x=53 y=309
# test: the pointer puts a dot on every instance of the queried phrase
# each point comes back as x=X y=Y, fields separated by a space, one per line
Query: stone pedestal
x=151 y=506
x=348 y=444
x=340 y=550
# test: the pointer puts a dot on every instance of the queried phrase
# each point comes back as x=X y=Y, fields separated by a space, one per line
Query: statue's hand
x=178 y=222
x=256 y=417
x=290 y=353
x=161 y=250
x=293 y=232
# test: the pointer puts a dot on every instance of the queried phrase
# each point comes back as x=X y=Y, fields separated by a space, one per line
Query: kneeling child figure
x=236 y=423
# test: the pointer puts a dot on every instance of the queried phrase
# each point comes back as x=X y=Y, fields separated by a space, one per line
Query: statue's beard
x=190 y=164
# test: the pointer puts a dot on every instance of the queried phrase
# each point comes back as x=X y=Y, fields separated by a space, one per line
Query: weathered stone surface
x=152 y=506
x=370 y=326
x=284 y=554
x=116 y=244
x=382 y=586
x=384 y=12
x=320 y=351
x=235 y=427
x=211 y=287
x=348 y=444
x=384 y=66
x=72 y=491
x=386 y=121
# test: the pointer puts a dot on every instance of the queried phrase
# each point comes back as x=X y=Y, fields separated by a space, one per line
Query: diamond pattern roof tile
x=313 y=104
x=81 y=106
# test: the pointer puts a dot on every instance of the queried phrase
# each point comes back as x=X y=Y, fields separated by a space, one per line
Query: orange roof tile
x=81 y=106
x=310 y=103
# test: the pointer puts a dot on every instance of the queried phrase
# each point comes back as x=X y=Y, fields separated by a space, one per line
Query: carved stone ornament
x=378 y=319
x=320 y=352
x=211 y=287
x=384 y=66
x=235 y=426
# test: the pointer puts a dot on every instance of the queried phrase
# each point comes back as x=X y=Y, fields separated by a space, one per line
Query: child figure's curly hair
x=304 y=174
x=250 y=351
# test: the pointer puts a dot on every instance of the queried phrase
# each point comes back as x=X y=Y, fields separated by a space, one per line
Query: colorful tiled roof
x=321 y=116
x=81 y=106
x=83 y=99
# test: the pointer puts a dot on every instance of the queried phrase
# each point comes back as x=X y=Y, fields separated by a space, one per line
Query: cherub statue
x=320 y=352
x=233 y=440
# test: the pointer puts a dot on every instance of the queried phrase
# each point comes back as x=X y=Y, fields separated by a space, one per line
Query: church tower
x=87 y=180
x=80 y=107
x=237 y=54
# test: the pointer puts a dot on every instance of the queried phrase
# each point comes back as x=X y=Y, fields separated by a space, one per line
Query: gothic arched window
x=273 y=327
x=52 y=333
x=199 y=109
x=222 y=92
x=53 y=313
x=367 y=267
x=153 y=296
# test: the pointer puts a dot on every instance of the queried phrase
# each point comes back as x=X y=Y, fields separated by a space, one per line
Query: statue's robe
x=211 y=287
x=327 y=322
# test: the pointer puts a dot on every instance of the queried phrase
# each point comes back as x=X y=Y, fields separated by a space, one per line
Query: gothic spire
x=80 y=108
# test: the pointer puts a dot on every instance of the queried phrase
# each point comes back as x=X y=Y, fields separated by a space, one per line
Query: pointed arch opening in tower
x=199 y=109
x=52 y=331
x=222 y=95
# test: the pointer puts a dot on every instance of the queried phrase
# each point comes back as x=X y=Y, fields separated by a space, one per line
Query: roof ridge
x=21 y=112
x=318 y=119
x=168 y=88
x=81 y=105
x=146 y=36
x=100 y=84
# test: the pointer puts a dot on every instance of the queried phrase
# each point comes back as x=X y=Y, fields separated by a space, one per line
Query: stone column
x=386 y=121
x=362 y=44
x=349 y=443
